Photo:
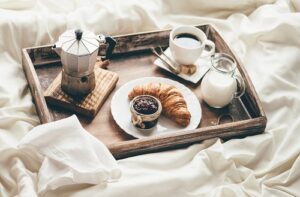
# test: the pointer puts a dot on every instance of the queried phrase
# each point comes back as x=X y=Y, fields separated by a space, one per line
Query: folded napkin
x=70 y=155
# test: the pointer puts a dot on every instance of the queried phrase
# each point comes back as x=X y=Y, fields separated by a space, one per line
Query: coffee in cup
x=187 y=44
x=187 y=40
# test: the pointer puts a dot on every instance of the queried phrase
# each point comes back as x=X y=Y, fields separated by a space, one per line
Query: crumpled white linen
x=69 y=155
x=264 y=34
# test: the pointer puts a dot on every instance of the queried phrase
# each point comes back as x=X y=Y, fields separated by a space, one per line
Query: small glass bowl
x=145 y=122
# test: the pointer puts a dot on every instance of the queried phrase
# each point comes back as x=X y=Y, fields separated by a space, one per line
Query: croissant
x=173 y=103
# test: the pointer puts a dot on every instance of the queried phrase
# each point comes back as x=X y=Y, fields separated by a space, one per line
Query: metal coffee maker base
x=78 y=86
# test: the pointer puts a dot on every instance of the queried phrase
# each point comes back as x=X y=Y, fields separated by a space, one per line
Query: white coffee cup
x=184 y=55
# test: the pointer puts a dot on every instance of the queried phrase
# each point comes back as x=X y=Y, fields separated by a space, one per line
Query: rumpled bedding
x=265 y=34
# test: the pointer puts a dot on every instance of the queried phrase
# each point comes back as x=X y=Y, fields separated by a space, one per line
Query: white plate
x=121 y=112
x=203 y=65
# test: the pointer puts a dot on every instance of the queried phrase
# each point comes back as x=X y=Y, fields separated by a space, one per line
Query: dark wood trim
x=152 y=144
x=251 y=93
x=36 y=90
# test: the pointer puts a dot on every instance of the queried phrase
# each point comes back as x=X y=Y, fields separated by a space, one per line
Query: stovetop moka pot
x=78 y=51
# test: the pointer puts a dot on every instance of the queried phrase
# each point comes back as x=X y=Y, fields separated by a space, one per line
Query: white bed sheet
x=265 y=35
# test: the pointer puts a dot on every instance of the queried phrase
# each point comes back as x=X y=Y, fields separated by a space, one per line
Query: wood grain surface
x=88 y=105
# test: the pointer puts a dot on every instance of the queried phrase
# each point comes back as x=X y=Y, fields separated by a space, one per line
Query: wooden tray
x=132 y=59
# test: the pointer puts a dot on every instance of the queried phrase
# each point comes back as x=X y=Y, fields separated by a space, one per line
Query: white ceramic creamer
x=219 y=85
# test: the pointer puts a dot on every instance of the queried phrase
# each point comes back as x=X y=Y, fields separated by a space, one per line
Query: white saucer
x=203 y=65
x=121 y=112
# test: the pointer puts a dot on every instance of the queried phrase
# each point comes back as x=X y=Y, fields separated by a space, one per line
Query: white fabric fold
x=70 y=155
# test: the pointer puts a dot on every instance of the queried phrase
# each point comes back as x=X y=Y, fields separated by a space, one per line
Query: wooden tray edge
x=253 y=96
x=36 y=89
x=155 y=143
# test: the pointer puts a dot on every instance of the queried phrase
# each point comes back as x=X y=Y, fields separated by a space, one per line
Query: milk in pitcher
x=219 y=85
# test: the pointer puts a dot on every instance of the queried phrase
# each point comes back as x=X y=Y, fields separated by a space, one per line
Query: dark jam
x=145 y=105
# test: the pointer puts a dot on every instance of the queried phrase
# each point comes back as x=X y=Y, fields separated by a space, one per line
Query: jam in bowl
x=145 y=111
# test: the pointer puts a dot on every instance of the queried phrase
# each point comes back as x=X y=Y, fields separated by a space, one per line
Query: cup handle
x=241 y=85
x=211 y=46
